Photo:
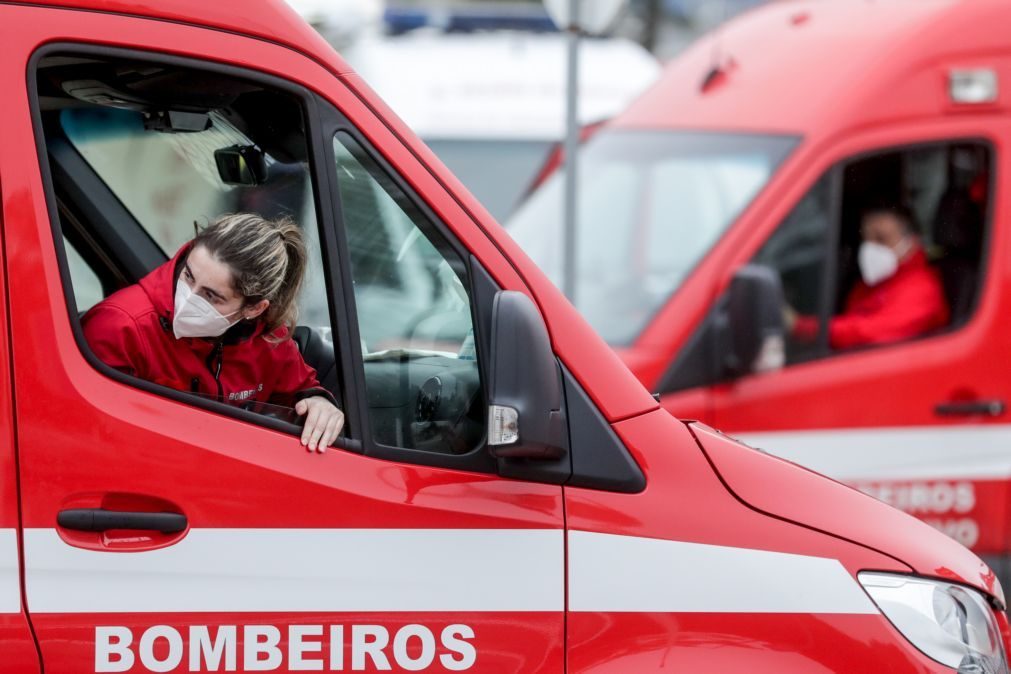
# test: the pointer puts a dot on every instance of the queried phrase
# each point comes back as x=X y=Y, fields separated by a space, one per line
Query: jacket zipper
x=214 y=362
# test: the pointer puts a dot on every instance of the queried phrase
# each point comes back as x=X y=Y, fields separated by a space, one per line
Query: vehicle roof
x=504 y=84
x=272 y=20
x=813 y=66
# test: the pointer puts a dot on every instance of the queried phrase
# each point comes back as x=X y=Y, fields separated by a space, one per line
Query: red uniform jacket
x=131 y=330
x=902 y=306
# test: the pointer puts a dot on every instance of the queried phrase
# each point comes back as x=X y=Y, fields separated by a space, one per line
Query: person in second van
x=899 y=295
x=216 y=320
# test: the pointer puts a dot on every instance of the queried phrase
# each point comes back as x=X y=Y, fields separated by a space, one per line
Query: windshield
x=497 y=172
x=651 y=204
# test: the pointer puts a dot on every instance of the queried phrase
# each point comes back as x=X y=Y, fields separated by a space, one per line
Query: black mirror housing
x=241 y=165
x=754 y=314
x=526 y=404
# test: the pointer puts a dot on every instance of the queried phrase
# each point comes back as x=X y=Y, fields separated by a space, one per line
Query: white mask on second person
x=195 y=317
x=879 y=262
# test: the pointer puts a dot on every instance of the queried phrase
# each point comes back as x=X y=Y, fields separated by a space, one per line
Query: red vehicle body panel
x=844 y=415
x=273 y=530
x=682 y=484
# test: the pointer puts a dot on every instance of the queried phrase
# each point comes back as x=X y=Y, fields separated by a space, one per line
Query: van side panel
x=16 y=642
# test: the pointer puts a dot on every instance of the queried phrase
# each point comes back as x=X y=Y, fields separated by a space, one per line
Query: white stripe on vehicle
x=627 y=574
x=287 y=570
x=913 y=453
x=10 y=585
x=447 y=570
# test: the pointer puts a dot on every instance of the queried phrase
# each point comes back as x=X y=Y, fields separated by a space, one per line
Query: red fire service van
x=735 y=191
x=507 y=497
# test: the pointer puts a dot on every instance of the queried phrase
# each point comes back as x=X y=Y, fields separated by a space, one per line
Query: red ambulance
x=747 y=167
x=507 y=496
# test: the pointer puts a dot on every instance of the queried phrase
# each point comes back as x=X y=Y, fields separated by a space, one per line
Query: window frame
x=681 y=376
x=321 y=201
x=835 y=175
x=479 y=285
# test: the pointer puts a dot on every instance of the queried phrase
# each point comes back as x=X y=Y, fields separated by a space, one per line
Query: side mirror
x=241 y=165
x=525 y=414
x=753 y=338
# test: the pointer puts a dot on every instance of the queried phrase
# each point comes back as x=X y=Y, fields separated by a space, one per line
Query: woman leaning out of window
x=216 y=320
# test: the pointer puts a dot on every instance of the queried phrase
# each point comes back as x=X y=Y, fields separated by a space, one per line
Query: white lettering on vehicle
x=924 y=498
x=260 y=640
x=939 y=504
x=112 y=649
x=175 y=648
x=369 y=640
x=162 y=648
x=202 y=649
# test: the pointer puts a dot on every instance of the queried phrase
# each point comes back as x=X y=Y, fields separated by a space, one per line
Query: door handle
x=971 y=408
x=99 y=520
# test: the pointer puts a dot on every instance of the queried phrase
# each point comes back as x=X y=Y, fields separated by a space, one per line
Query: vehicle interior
x=141 y=153
x=946 y=186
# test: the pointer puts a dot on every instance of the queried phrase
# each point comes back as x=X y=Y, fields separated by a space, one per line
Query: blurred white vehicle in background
x=492 y=104
x=342 y=22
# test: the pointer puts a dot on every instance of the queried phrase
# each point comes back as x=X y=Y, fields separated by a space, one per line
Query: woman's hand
x=323 y=422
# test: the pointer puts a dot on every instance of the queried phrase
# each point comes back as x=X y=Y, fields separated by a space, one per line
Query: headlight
x=949 y=623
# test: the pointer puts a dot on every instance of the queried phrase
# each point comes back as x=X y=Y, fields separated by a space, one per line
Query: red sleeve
x=114 y=337
x=911 y=311
x=295 y=378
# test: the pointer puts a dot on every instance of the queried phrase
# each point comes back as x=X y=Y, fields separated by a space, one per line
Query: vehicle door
x=232 y=546
x=919 y=421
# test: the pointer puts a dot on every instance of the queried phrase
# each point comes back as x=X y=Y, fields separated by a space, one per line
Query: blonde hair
x=267 y=259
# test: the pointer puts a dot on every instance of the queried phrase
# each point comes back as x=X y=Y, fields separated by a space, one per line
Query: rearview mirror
x=525 y=412
x=753 y=338
x=241 y=165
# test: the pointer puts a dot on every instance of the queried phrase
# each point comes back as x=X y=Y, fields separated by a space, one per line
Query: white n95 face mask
x=877 y=262
x=195 y=317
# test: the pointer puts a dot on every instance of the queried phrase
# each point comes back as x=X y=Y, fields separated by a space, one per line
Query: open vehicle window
x=414 y=314
x=170 y=184
x=946 y=189
x=140 y=154
x=935 y=197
